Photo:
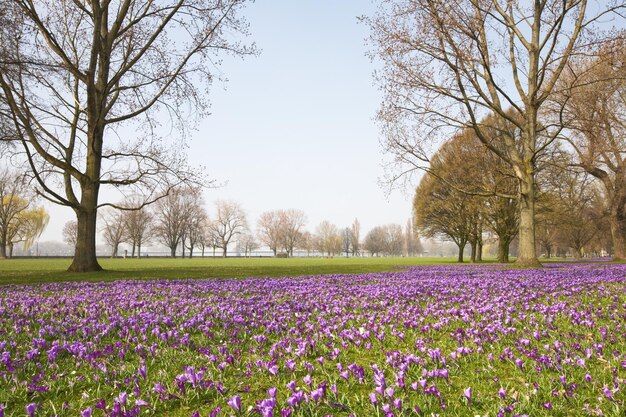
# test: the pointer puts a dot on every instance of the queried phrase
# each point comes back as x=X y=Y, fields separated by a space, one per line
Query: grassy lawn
x=29 y=271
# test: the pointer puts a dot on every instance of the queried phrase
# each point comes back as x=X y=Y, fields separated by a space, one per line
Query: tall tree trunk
x=461 y=246
x=10 y=250
x=479 y=251
x=617 y=222
x=191 y=252
x=138 y=249
x=173 y=251
x=503 y=250
x=132 y=255
x=473 y=245
x=3 y=244
x=85 y=251
x=224 y=249
x=527 y=256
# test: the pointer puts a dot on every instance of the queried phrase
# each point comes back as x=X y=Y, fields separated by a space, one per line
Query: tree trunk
x=617 y=221
x=114 y=251
x=224 y=249
x=10 y=250
x=191 y=252
x=85 y=251
x=479 y=252
x=138 y=250
x=173 y=251
x=527 y=255
x=132 y=255
x=3 y=245
x=473 y=245
x=461 y=249
x=503 y=251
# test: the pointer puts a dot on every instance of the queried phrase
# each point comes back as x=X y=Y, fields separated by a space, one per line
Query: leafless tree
x=292 y=223
x=114 y=229
x=139 y=225
x=449 y=65
x=78 y=72
x=593 y=94
x=196 y=227
x=328 y=239
x=355 y=237
x=246 y=243
x=269 y=229
x=228 y=223
x=69 y=233
x=374 y=241
x=412 y=245
x=172 y=214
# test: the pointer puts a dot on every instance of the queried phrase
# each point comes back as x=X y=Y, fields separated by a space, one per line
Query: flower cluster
x=458 y=340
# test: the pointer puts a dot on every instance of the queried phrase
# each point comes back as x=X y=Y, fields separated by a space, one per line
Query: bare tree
x=443 y=71
x=269 y=229
x=328 y=238
x=229 y=222
x=355 y=237
x=593 y=93
x=374 y=241
x=69 y=233
x=292 y=223
x=246 y=243
x=138 y=224
x=172 y=214
x=79 y=70
x=114 y=230
x=196 y=227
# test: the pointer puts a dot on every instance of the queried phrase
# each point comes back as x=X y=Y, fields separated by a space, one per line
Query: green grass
x=31 y=271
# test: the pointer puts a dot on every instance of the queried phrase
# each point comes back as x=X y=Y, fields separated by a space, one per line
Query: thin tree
x=139 y=225
x=292 y=223
x=114 y=229
x=355 y=237
x=229 y=222
x=269 y=229
x=69 y=233
x=448 y=65
x=73 y=72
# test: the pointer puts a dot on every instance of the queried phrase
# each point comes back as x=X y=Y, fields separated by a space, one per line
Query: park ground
x=31 y=271
x=41 y=270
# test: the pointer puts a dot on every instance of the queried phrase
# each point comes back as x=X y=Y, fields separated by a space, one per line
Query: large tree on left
x=90 y=84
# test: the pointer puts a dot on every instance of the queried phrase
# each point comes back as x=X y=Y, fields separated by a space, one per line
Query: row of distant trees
x=181 y=222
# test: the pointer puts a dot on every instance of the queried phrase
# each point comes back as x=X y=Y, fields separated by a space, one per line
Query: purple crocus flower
x=467 y=393
x=317 y=394
x=502 y=393
x=373 y=397
x=30 y=409
x=86 y=412
x=235 y=403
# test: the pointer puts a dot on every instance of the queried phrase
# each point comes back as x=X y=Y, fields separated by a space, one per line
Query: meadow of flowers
x=456 y=340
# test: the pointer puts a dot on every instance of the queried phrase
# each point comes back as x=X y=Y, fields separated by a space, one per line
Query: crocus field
x=449 y=341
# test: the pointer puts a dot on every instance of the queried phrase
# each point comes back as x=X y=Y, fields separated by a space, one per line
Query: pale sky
x=294 y=127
